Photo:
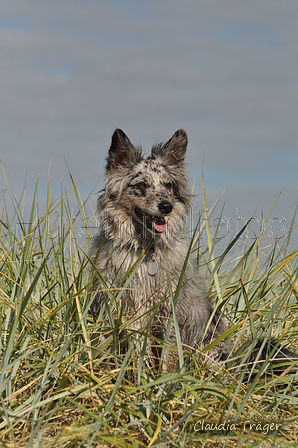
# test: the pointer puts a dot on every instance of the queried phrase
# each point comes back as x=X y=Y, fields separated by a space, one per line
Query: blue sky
x=71 y=72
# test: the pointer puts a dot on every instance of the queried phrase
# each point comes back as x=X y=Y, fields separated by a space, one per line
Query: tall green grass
x=63 y=384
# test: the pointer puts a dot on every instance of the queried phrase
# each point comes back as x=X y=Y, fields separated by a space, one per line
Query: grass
x=63 y=385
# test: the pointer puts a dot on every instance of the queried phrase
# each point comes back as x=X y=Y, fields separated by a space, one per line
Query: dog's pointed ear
x=174 y=150
x=120 y=150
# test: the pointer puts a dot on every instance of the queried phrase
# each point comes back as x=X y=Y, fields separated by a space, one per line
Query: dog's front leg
x=170 y=358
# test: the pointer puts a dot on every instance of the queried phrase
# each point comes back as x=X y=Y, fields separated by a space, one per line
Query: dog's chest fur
x=144 y=291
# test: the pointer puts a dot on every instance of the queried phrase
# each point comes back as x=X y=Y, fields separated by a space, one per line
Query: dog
x=142 y=212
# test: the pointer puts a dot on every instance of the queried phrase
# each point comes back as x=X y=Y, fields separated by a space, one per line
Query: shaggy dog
x=140 y=253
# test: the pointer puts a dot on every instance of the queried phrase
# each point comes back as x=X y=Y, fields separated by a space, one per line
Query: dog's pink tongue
x=159 y=224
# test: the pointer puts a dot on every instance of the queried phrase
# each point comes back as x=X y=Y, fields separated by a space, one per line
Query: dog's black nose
x=165 y=207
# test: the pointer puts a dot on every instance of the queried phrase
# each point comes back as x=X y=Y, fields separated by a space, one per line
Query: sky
x=71 y=72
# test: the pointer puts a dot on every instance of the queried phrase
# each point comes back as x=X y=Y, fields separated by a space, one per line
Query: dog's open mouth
x=158 y=222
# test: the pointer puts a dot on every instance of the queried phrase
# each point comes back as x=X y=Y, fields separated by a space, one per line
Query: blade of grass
x=209 y=239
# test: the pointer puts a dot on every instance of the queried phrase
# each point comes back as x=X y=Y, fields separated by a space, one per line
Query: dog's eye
x=169 y=185
x=141 y=185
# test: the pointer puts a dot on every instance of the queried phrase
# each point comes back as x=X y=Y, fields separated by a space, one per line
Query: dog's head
x=152 y=192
